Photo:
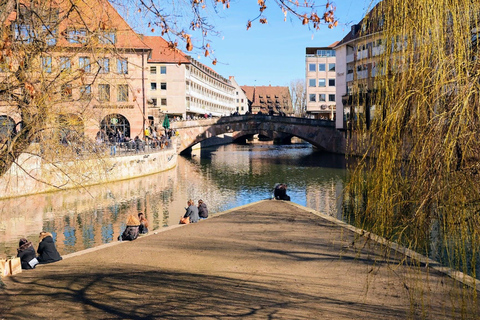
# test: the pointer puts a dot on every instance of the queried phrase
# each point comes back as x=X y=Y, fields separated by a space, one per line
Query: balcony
x=350 y=57
x=362 y=54
x=376 y=51
x=362 y=74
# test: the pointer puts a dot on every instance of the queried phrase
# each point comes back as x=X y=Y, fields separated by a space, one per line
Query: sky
x=266 y=54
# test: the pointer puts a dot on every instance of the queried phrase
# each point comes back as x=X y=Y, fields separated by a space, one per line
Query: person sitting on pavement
x=46 y=249
x=202 y=210
x=132 y=230
x=143 y=228
x=191 y=211
x=26 y=253
x=280 y=192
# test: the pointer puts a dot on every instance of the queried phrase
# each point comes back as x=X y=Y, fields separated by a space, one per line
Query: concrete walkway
x=267 y=260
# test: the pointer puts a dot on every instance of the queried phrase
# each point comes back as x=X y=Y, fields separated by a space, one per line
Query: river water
x=224 y=177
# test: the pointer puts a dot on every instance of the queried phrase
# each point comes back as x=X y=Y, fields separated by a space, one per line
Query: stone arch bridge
x=320 y=133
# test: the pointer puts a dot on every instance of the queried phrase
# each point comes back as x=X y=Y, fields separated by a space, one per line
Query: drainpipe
x=143 y=92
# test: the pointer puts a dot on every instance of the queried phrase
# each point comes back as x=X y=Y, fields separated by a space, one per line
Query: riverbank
x=31 y=175
x=270 y=259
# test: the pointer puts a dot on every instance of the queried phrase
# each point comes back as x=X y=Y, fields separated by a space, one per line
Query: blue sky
x=273 y=53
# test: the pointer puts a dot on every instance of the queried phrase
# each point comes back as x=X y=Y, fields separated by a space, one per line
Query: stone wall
x=32 y=175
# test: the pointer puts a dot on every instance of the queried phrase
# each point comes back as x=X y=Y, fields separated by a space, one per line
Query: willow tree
x=418 y=180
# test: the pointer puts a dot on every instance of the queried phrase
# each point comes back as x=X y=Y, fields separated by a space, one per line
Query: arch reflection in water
x=224 y=177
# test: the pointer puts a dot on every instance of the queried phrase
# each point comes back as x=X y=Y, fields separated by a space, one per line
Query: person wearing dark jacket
x=46 y=249
x=26 y=253
x=202 y=210
x=132 y=230
x=280 y=192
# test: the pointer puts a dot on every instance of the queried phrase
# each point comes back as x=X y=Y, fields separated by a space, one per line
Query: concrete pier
x=267 y=260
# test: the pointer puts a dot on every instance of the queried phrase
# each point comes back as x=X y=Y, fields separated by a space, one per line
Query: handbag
x=15 y=266
x=185 y=220
x=4 y=268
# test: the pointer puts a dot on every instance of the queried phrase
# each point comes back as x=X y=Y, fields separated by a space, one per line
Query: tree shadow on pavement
x=153 y=294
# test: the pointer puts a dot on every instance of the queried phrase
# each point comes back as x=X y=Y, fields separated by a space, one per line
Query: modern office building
x=320 y=80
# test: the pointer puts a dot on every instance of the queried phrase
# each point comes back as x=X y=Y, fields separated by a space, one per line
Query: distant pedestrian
x=46 y=249
x=131 y=231
x=280 y=192
x=202 y=210
x=191 y=211
x=143 y=229
x=26 y=253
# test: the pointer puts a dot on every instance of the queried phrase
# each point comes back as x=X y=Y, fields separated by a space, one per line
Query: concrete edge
x=454 y=274
x=151 y=233
x=116 y=242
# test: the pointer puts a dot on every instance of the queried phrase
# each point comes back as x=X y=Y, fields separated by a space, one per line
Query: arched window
x=7 y=128
x=114 y=122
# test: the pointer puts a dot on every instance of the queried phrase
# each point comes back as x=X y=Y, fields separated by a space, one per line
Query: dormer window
x=107 y=37
x=77 y=36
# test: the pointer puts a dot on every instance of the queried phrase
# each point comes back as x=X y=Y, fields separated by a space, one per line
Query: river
x=224 y=177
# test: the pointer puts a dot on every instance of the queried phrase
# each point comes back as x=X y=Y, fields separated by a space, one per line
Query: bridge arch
x=320 y=133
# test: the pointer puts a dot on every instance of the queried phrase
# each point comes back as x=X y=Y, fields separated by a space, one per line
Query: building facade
x=89 y=74
x=320 y=79
x=179 y=85
x=272 y=100
x=359 y=62
x=241 y=100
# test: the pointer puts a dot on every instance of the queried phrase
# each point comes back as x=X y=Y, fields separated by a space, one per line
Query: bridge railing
x=254 y=117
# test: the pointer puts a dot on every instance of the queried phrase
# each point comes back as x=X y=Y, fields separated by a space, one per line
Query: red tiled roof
x=162 y=52
x=268 y=97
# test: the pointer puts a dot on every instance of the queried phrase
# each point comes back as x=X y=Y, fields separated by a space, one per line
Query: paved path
x=268 y=260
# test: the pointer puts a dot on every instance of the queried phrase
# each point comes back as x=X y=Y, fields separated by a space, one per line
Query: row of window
x=210 y=106
x=312 y=67
x=207 y=92
x=163 y=102
x=26 y=34
x=84 y=63
x=153 y=86
x=163 y=70
x=104 y=92
x=326 y=53
x=321 y=97
x=321 y=82
x=210 y=79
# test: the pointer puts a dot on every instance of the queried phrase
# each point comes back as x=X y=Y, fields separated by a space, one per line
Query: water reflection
x=224 y=177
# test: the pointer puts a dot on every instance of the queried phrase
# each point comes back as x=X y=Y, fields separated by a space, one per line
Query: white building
x=241 y=100
x=178 y=85
x=320 y=75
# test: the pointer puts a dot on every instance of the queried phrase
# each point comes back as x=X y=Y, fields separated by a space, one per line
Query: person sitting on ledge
x=191 y=211
x=280 y=192
x=131 y=231
x=26 y=253
x=46 y=249
x=143 y=228
x=202 y=210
